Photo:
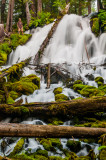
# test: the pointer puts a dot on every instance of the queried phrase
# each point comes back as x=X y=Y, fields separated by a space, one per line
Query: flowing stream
x=74 y=47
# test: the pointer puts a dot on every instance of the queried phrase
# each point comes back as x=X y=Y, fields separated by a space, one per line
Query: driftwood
x=48 y=131
x=66 y=109
x=49 y=36
x=48 y=76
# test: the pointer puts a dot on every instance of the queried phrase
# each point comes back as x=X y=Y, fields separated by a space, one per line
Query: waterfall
x=71 y=43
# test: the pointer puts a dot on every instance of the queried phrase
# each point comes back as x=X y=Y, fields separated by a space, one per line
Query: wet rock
x=90 y=77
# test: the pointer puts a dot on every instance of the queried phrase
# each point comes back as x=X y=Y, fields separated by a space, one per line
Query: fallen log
x=14 y=68
x=49 y=36
x=48 y=131
x=66 y=109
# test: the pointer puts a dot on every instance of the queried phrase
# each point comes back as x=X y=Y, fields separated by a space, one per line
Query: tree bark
x=2 y=30
x=10 y=16
x=99 y=5
x=33 y=9
x=3 y=4
x=80 y=7
x=39 y=6
x=89 y=6
x=67 y=110
x=48 y=131
x=28 y=16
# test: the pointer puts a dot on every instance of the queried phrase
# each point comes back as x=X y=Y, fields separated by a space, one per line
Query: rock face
x=2 y=31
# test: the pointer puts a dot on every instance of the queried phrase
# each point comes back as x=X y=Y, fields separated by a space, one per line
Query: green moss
x=18 y=147
x=55 y=121
x=102 y=140
x=78 y=87
x=34 y=79
x=95 y=27
x=102 y=88
x=61 y=97
x=42 y=152
x=9 y=44
x=99 y=79
x=55 y=158
x=78 y=82
x=24 y=109
x=58 y=90
x=10 y=100
x=24 y=86
x=102 y=155
x=47 y=144
x=74 y=146
x=90 y=91
x=14 y=95
x=22 y=157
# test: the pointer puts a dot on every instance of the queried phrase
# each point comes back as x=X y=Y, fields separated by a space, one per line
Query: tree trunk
x=1 y=30
x=99 y=5
x=68 y=109
x=33 y=9
x=3 y=4
x=80 y=7
x=39 y=6
x=27 y=13
x=48 y=131
x=89 y=6
x=10 y=16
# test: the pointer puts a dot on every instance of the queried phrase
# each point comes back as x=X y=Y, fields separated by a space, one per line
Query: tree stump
x=2 y=31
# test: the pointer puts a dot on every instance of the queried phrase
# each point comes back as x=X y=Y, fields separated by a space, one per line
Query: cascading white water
x=68 y=44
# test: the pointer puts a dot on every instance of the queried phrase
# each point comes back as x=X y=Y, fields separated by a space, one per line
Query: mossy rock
x=72 y=156
x=74 y=146
x=18 y=147
x=78 y=82
x=55 y=121
x=58 y=90
x=49 y=144
x=42 y=152
x=102 y=88
x=55 y=158
x=14 y=95
x=10 y=100
x=22 y=156
x=102 y=140
x=99 y=79
x=61 y=97
x=33 y=78
x=78 y=87
x=90 y=91
x=24 y=86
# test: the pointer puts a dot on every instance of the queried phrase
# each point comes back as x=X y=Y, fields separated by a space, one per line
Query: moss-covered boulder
x=14 y=95
x=99 y=80
x=78 y=87
x=27 y=85
x=10 y=100
x=78 y=82
x=103 y=88
x=58 y=90
x=74 y=146
x=17 y=148
x=89 y=91
x=61 y=97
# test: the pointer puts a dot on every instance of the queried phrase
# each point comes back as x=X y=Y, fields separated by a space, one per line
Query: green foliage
x=42 y=19
x=101 y=147
x=95 y=27
x=60 y=3
x=102 y=18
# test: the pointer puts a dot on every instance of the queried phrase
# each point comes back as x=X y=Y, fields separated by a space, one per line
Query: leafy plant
x=102 y=19
x=101 y=147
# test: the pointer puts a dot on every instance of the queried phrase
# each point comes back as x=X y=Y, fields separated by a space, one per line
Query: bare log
x=66 y=109
x=48 y=131
x=48 y=76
